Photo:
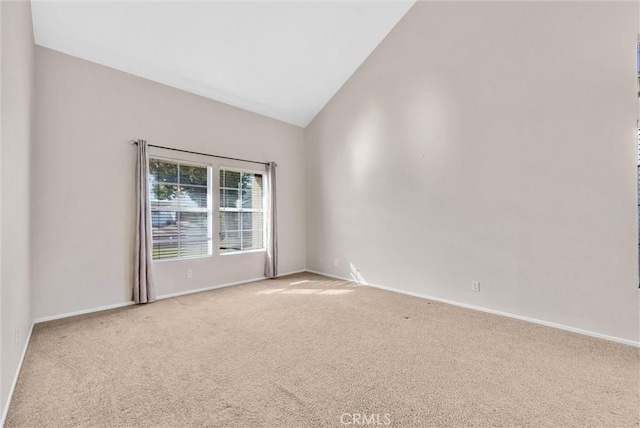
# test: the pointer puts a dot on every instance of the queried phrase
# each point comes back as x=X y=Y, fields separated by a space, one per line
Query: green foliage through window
x=180 y=209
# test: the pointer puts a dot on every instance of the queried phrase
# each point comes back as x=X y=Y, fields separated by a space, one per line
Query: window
x=241 y=211
x=180 y=209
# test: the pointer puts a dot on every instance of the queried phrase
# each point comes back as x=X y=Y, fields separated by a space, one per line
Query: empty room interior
x=319 y=213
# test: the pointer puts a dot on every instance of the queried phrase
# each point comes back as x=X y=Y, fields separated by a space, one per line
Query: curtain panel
x=143 y=285
x=271 y=265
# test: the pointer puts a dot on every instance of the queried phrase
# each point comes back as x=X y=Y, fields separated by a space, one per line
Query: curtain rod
x=202 y=154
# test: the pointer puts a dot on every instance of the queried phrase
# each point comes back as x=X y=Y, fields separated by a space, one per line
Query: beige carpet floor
x=307 y=351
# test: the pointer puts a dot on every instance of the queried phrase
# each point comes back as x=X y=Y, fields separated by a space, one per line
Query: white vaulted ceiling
x=281 y=59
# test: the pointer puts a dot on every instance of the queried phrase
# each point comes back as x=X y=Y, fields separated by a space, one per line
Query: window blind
x=180 y=209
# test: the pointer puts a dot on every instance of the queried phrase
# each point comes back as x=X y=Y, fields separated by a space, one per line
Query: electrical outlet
x=189 y=273
x=335 y=262
x=321 y=259
x=475 y=285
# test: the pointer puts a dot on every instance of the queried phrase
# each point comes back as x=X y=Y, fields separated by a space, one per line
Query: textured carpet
x=306 y=350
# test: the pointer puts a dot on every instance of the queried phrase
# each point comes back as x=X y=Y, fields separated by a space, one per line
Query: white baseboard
x=494 y=312
x=161 y=297
x=213 y=287
x=229 y=284
x=82 y=312
x=341 y=278
x=293 y=272
x=5 y=411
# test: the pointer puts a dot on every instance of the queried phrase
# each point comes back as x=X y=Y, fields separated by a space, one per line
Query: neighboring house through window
x=241 y=211
x=181 y=209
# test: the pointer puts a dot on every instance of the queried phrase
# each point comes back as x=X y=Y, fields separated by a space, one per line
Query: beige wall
x=17 y=96
x=83 y=167
x=492 y=142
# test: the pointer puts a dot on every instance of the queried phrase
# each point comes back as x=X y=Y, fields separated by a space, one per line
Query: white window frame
x=241 y=210
x=208 y=210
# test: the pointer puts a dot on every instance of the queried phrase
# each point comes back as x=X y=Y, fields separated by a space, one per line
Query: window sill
x=177 y=259
x=231 y=253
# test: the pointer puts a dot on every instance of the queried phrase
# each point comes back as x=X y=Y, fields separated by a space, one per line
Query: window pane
x=195 y=248
x=196 y=175
x=164 y=225
x=162 y=171
x=165 y=249
x=252 y=199
x=250 y=180
x=247 y=180
x=229 y=199
x=252 y=239
x=251 y=220
x=193 y=197
x=240 y=230
x=193 y=225
x=179 y=216
x=229 y=221
x=252 y=192
x=163 y=196
x=230 y=241
x=231 y=179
